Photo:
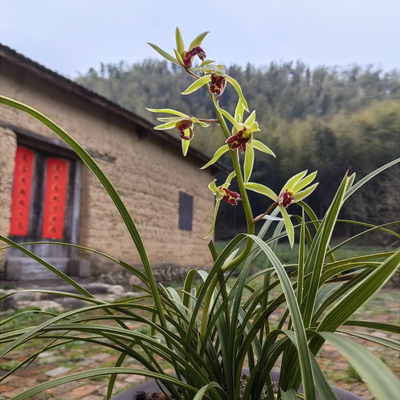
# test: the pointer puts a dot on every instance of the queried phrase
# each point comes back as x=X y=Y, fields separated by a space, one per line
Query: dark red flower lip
x=182 y=126
x=217 y=84
x=196 y=51
x=238 y=141
x=286 y=198
x=231 y=197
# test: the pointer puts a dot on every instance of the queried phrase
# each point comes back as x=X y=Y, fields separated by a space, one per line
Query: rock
x=116 y=289
x=42 y=305
x=27 y=296
x=70 y=303
x=57 y=371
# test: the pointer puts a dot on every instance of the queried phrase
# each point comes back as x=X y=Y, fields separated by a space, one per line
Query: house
x=48 y=194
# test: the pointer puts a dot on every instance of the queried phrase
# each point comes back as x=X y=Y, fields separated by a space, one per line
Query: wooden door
x=42 y=210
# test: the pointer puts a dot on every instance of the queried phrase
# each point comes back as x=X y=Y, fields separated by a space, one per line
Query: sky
x=71 y=36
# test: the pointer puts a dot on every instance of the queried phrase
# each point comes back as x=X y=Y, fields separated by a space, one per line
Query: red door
x=41 y=210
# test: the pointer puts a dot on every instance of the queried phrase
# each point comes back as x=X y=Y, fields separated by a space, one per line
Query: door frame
x=57 y=148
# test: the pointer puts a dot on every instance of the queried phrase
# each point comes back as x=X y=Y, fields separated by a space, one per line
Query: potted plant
x=209 y=333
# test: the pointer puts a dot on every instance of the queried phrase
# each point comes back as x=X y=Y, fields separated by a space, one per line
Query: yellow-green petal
x=230 y=119
x=222 y=150
x=250 y=119
x=164 y=53
x=304 y=193
x=198 y=40
x=202 y=124
x=293 y=181
x=254 y=127
x=171 y=119
x=288 y=224
x=262 y=147
x=178 y=57
x=168 y=125
x=213 y=186
x=185 y=146
x=215 y=219
x=239 y=110
x=197 y=84
x=248 y=161
x=258 y=188
x=230 y=177
x=238 y=89
x=304 y=182
x=179 y=41
x=168 y=111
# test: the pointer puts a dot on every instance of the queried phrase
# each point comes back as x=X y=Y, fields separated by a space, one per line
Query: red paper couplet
x=55 y=198
x=21 y=196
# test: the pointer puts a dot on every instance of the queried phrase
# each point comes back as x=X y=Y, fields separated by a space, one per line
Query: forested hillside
x=323 y=118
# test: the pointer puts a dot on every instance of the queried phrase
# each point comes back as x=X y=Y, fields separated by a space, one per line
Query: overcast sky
x=70 y=36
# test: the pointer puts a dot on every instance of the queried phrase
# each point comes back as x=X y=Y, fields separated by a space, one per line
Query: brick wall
x=147 y=173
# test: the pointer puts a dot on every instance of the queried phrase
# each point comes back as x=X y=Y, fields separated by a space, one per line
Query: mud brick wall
x=148 y=174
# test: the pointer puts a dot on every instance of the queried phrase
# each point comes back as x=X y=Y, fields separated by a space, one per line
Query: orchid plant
x=210 y=332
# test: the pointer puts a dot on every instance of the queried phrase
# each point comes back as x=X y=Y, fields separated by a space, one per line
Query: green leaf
x=368 y=177
x=383 y=341
x=198 y=40
x=168 y=111
x=238 y=89
x=380 y=379
x=258 y=188
x=262 y=147
x=179 y=41
x=297 y=321
x=164 y=53
x=200 y=394
x=215 y=218
x=354 y=299
x=197 y=84
x=289 y=395
x=185 y=146
x=100 y=372
x=248 y=161
x=374 y=325
x=288 y=224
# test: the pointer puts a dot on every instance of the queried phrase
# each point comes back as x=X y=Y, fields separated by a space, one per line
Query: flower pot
x=152 y=387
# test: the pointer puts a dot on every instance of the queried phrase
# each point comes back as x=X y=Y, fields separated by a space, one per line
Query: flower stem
x=243 y=194
x=272 y=206
x=249 y=220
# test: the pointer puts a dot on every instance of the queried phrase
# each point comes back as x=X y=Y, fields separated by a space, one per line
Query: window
x=185 y=211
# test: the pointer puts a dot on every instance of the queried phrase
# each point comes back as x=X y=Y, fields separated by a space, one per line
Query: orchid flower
x=182 y=122
x=222 y=193
x=184 y=58
x=216 y=76
x=242 y=138
x=291 y=193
